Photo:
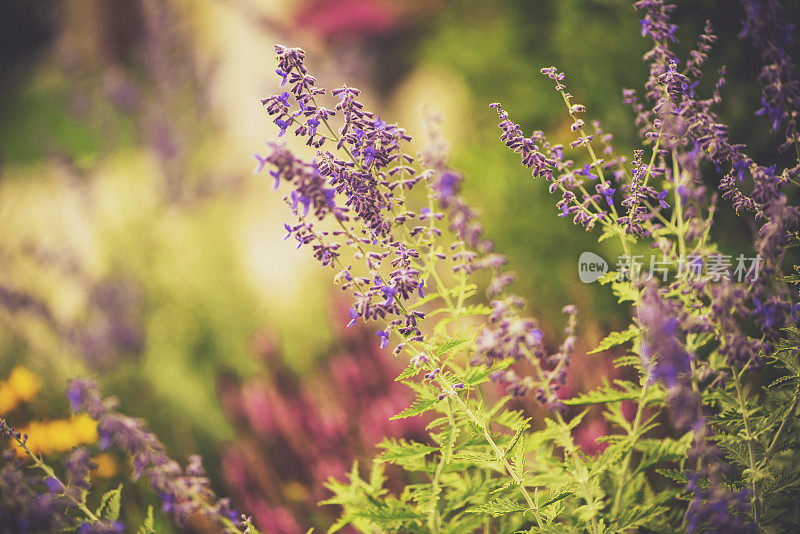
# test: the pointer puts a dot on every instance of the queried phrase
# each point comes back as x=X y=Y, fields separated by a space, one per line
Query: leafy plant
x=714 y=348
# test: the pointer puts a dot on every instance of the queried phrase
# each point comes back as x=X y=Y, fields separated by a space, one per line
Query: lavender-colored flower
x=182 y=493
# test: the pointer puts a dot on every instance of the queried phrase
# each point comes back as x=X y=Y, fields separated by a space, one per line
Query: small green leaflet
x=450 y=344
x=109 y=504
x=616 y=338
x=448 y=443
x=497 y=508
x=148 y=527
x=417 y=407
x=408 y=372
x=401 y=451
x=605 y=394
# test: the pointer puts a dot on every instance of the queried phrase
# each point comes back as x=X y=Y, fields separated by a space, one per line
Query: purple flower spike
x=587 y=172
x=312 y=126
x=282 y=124
x=283 y=76
x=661 y=196
x=277 y=176
x=284 y=99
x=261 y=161
x=384 y=337
x=353 y=317
x=389 y=293
x=54 y=486
x=608 y=192
x=297 y=199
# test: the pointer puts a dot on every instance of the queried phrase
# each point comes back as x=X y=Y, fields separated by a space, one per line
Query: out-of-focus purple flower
x=184 y=493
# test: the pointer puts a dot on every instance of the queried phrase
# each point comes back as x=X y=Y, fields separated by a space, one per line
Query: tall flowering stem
x=182 y=493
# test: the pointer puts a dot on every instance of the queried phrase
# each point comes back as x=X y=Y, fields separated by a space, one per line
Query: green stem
x=750 y=449
x=434 y=520
x=786 y=423
x=582 y=483
x=632 y=436
x=39 y=463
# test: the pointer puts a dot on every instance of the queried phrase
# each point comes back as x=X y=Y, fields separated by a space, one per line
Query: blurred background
x=137 y=246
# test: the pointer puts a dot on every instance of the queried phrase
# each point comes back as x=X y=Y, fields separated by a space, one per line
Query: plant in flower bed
x=712 y=443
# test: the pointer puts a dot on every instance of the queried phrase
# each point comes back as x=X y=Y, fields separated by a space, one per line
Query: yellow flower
x=85 y=428
x=8 y=399
x=24 y=383
x=106 y=466
x=60 y=435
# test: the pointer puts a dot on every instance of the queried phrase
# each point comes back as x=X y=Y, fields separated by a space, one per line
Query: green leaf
x=519 y=432
x=480 y=374
x=673 y=474
x=410 y=371
x=616 y=338
x=417 y=407
x=110 y=503
x=148 y=526
x=478 y=309
x=628 y=360
x=497 y=508
x=448 y=443
x=450 y=344
x=390 y=514
x=605 y=394
x=402 y=452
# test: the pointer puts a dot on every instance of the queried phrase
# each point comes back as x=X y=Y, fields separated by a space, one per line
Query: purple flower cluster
x=26 y=505
x=183 y=493
x=664 y=357
x=34 y=503
x=583 y=203
x=371 y=173
x=772 y=36
x=715 y=509
x=371 y=177
x=508 y=333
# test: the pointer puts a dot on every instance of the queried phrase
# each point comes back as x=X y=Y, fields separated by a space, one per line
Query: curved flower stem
x=447 y=386
x=41 y=465
x=434 y=519
x=750 y=449
x=785 y=423
x=678 y=206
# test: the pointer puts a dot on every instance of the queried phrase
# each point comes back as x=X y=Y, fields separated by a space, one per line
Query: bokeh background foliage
x=137 y=246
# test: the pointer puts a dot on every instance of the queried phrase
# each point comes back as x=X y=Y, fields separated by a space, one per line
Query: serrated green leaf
x=110 y=504
x=148 y=525
x=616 y=338
x=449 y=345
x=399 y=451
x=417 y=407
x=604 y=395
x=448 y=443
x=497 y=508
x=410 y=371
x=477 y=309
